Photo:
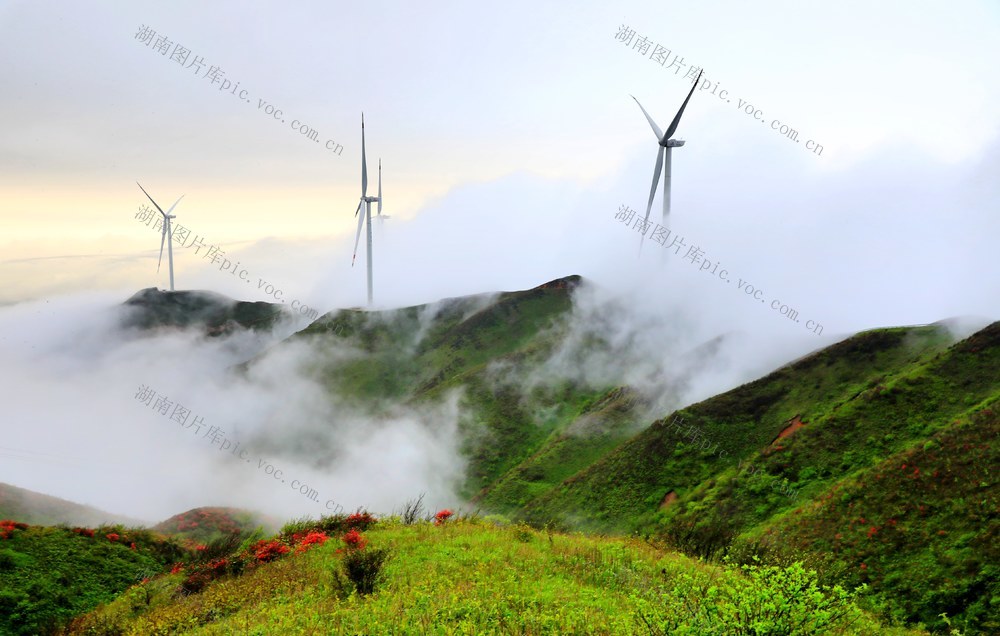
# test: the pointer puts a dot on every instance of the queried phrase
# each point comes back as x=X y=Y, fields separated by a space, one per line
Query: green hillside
x=872 y=461
x=475 y=577
x=214 y=313
x=26 y=506
x=706 y=479
x=50 y=574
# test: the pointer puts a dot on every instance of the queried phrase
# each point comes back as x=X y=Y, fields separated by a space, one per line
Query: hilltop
x=27 y=506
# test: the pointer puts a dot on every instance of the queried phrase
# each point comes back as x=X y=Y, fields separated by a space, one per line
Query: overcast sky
x=508 y=141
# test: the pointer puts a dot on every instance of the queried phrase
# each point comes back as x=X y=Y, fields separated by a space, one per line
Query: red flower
x=84 y=532
x=177 y=568
x=112 y=536
x=360 y=520
x=353 y=539
x=265 y=551
x=442 y=516
x=7 y=527
x=132 y=546
x=312 y=538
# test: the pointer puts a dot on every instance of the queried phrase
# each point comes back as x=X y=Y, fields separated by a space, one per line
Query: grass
x=50 y=574
x=472 y=577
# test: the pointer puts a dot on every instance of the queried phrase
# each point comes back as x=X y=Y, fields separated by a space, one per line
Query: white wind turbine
x=366 y=218
x=663 y=154
x=168 y=234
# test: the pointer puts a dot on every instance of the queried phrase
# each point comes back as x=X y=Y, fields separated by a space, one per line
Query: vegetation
x=850 y=491
x=460 y=577
x=50 y=574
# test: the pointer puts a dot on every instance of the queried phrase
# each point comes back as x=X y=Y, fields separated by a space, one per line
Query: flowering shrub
x=84 y=532
x=442 y=516
x=7 y=528
x=112 y=537
x=265 y=551
x=313 y=538
x=354 y=540
x=178 y=567
x=360 y=521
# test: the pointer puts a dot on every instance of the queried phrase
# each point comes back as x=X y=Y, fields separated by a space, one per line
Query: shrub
x=442 y=516
x=7 y=527
x=265 y=551
x=220 y=547
x=354 y=540
x=412 y=510
x=764 y=600
x=313 y=538
x=360 y=521
x=523 y=533
x=364 y=568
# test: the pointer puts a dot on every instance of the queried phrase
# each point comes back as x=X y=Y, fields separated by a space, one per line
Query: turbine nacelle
x=673 y=143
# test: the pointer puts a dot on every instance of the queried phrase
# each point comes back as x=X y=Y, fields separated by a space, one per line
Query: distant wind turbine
x=167 y=235
x=381 y=217
x=366 y=218
x=666 y=145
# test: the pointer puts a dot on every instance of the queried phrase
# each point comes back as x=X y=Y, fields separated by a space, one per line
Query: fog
x=509 y=145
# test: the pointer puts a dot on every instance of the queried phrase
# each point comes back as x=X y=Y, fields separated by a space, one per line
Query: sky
x=509 y=141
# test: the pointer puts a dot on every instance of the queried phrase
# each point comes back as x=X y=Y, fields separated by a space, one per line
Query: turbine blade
x=357 y=239
x=175 y=204
x=150 y=198
x=656 y=179
x=656 y=129
x=677 y=117
x=364 y=163
x=163 y=236
x=380 y=186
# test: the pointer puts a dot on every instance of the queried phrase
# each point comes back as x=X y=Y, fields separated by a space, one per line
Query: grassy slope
x=420 y=353
x=623 y=490
x=867 y=402
x=35 y=508
x=466 y=578
x=49 y=574
x=922 y=528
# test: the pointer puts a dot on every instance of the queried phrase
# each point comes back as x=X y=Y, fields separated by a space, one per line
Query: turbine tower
x=366 y=218
x=663 y=154
x=168 y=234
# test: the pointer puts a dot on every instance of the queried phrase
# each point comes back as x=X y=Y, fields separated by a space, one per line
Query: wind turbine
x=366 y=218
x=381 y=217
x=167 y=235
x=663 y=154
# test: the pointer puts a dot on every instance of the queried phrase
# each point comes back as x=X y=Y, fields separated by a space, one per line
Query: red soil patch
x=793 y=425
x=668 y=499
